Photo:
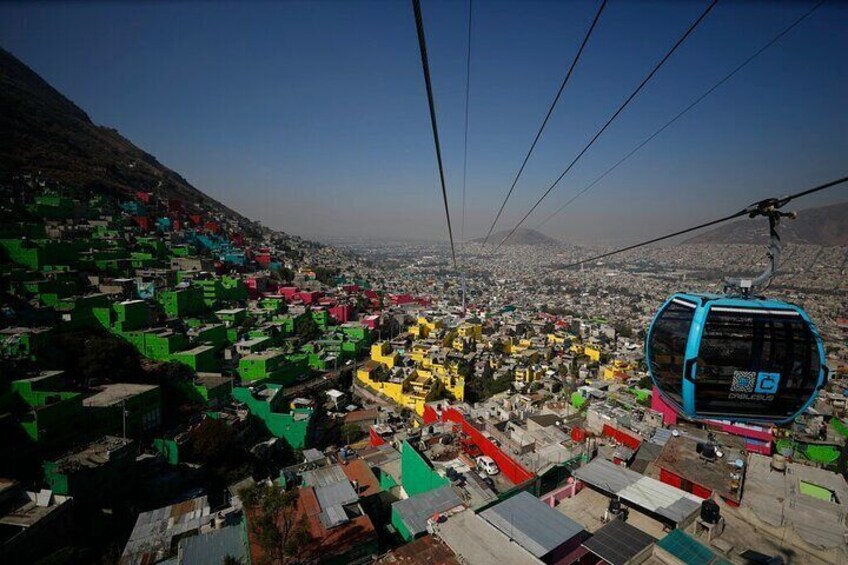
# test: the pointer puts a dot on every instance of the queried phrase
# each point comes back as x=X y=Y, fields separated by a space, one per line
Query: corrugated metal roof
x=618 y=542
x=645 y=492
x=214 y=546
x=155 y=530
x=534 y=525
x=333 y=516
x=416 y=510
x=336 y=494
x=690 y=551
x=324 y=476
x=660 y=436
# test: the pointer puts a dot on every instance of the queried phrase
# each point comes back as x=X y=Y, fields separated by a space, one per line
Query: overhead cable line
x=752 y=211
x=547 y=117
x=621 y=108
x=467 y=98
x=697 y=101
x=425 y=65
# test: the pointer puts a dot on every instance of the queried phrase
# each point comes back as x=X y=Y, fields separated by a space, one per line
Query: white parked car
x=487 y=465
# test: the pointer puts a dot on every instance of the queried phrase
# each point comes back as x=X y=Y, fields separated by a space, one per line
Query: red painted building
x=308 y=297
x=511 y=469
x=288 y=291
x=342 y=313
x=143 y=222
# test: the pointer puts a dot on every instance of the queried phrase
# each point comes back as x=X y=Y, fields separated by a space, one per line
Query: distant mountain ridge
x=522 y=236
x=824 y=225
x=42 y=132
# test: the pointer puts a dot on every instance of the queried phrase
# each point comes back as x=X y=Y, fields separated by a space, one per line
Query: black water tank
x=710 y=511
x=614 y=506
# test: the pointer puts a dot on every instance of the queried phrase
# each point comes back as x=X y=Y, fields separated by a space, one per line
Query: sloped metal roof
x=416 y=510
x=214 y=546
x=534 y=525
x=644 y=492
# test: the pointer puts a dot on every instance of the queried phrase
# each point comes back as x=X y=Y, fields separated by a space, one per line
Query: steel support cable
x=697 y=101
x=547 y=117
x=620 y=109
x=752 y=210
x=465 y=145
x=425 y=65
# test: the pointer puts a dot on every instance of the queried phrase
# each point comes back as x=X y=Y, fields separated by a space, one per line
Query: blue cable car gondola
x=738 y=356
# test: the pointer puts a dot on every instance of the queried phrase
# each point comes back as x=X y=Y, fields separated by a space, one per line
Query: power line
x=747 y=211
x=613 y=117
x=467 y=98
x=697 y=101
x=425 y=65
x=547 y=117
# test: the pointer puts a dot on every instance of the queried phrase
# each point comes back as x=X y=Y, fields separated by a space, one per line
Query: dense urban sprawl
x=182 y=385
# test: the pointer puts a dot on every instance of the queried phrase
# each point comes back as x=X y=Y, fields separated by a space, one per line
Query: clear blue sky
x=312 y=117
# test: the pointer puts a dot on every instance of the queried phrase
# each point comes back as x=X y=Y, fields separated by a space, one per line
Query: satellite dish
x=675 y=433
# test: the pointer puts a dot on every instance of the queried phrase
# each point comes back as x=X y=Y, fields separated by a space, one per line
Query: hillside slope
x=43 y=132
x=825 y=225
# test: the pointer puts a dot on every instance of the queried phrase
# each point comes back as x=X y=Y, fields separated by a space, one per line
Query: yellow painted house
x=527 y=374
x=470 y=331
x=556 y=339
x=413 y=391
x=382 y=353
x=616 y=370
x=590 y=352
x=423 y=327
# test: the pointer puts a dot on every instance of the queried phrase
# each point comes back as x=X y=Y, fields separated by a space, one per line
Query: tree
x=212 y=441
x=326 y=275
x=623 y=330
x=283 y=274
x=350 y=433
x=279 y=529
x=306 y=328
x=96 y=357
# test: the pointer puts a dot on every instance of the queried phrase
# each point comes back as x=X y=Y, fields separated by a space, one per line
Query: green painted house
x=266 y=403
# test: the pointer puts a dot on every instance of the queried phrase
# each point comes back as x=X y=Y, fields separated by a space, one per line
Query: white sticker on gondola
x=684 y=303
x=753 y=311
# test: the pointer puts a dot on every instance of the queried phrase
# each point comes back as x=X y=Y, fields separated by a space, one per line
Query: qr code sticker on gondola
x=743 y=381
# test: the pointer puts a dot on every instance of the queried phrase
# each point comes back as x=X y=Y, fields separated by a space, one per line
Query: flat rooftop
x=113 y=394
x=639 y=491
x=680 y=457
x=268 y=354
x=95 y=453
x=212 y=380
x=31 y=507
x=587 y=508
x=230 y=311
x=812 y=501
x=426 y=550
x=476 y=542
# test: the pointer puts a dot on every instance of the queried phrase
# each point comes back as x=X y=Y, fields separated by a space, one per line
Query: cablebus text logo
x=751 y=385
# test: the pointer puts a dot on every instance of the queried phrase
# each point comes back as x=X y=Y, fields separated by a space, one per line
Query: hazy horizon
x=311 y=117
